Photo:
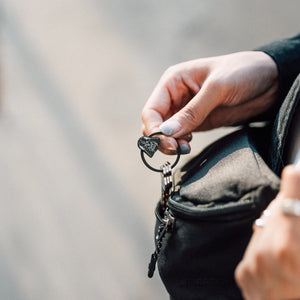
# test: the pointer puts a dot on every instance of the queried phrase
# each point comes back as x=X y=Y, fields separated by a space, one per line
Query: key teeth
x=167 y=183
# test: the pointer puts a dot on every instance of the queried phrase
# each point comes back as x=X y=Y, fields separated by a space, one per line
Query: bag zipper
x=217 y=214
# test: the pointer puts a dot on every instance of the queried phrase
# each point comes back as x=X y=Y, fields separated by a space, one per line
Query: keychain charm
x=149 y=145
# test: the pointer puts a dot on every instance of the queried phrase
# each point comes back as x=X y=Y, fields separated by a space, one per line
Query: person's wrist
x=270 y=62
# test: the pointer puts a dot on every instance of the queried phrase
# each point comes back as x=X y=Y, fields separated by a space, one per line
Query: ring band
x=291 y=207
x=266 y=213
x=261 y=223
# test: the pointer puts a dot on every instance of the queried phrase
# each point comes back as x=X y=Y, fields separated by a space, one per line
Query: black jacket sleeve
x=286 y=54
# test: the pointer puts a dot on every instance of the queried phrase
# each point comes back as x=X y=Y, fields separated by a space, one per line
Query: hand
x=208 y=93
x=270 y=269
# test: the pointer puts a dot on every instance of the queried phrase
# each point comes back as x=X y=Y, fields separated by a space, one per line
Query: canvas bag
x=217 y=197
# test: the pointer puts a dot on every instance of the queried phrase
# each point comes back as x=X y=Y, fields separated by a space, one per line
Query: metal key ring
x=160 y=170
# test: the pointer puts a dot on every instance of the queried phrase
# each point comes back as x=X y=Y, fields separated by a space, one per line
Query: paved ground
x=76 y=203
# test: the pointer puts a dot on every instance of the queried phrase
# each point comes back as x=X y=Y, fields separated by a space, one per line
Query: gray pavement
x=76 y=203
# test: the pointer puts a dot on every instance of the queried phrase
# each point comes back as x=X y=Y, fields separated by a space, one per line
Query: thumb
x=193 y=113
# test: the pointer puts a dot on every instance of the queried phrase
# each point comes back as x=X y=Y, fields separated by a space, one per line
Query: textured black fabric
x=218 y=195
x=281 y=127
x=286 y=54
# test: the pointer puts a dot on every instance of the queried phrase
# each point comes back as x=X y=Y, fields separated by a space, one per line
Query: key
x=166 y=183
x=166 y=225
x=168 y=220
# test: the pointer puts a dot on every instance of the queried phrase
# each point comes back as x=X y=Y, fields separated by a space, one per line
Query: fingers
x=191 y=116
x=184 y=143
x=183 y=122
x=169 y=96
x=153 y=116
x=290 y=184
x=185 y=147
x=156 y=109
x=270 y=266
x=173 y=91
x=187 y=94
x=169 y=145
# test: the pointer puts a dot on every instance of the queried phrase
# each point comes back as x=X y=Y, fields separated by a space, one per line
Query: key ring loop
x=148 y=165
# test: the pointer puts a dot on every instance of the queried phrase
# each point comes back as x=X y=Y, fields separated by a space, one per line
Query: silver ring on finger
x=259 y=223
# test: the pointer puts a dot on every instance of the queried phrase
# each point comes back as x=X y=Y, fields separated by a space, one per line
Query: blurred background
x=76 y=202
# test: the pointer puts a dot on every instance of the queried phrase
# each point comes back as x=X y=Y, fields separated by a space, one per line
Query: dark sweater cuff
x=286 y=54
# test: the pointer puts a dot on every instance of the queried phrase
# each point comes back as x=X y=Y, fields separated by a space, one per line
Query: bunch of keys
x=149 y=145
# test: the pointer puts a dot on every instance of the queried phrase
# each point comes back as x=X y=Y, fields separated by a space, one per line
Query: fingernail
x=184 y=149
x=169 y=144
x=170 y=127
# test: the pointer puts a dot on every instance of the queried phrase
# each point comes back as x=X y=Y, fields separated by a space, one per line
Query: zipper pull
x=168 y=219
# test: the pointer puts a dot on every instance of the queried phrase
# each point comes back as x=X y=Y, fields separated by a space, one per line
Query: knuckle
x=170 y=71
x=223 y=88
x=241 y=274
x=282 y=252
x=148 y=126
x=238 y=274
x=290 y=173
x=215 y=83
x=190 y=114
x=173 y=75
x=148 y=130
x=144 y=130
x=144 y=115
x=259 y=260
